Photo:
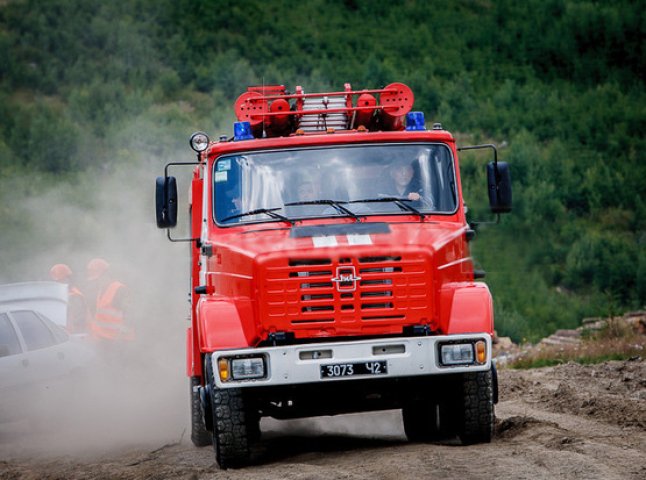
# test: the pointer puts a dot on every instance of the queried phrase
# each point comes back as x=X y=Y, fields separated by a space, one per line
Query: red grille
x=345 y=296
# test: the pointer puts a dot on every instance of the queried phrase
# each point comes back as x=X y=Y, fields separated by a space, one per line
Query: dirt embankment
x=570 y=421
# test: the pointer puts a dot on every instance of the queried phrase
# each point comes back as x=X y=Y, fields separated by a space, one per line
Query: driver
x=305 y=190
x=404 y=186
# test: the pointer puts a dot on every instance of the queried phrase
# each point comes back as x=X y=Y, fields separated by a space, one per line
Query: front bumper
x=301 y=364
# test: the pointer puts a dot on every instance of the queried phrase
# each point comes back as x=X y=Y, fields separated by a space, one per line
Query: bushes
x=560 y=82
x=41 y=137
x=605 y=262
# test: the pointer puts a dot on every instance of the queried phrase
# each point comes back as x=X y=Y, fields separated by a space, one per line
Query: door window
x=9 y=343
x=60 y=335
x=34 y=332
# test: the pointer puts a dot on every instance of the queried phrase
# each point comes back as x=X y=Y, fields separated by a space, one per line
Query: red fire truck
x=331 y=271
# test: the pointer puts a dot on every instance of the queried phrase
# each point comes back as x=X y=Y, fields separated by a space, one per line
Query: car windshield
x=340 y=181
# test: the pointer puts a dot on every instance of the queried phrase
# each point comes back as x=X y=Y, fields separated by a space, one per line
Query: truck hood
x=269 y=241
x=341 y=279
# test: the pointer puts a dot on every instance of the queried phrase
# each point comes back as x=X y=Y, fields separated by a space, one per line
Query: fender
x=221 y=326
x=466 y=308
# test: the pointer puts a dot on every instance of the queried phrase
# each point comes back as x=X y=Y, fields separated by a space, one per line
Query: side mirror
x=166 y=202
x=499 y=187
x=4 y=350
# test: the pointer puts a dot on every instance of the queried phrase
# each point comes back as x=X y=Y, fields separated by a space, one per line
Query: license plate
x=353 y=369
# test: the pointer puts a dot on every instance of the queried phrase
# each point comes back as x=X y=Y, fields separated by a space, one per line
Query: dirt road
x=570 y=421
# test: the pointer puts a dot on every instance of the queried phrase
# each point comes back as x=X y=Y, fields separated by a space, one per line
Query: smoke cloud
x=138 y=399
x=140 y=396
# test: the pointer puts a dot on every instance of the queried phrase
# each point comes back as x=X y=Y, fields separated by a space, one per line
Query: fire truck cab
x=331 y=270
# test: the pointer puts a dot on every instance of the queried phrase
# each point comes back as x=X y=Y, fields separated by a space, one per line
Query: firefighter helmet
x=96 y=267
x=60 y=272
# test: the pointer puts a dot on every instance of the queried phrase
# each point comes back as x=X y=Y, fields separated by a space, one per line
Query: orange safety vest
x=108 y=320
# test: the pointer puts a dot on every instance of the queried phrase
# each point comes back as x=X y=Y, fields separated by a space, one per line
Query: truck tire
x=476 y=421
x=200 y=436
x=234 y=425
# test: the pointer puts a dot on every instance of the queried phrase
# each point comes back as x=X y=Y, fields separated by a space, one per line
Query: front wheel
x=476 y=423
x=235 y=425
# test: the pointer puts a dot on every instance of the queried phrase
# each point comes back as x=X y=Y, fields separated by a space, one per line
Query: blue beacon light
x=415 y=121
x=242 y=131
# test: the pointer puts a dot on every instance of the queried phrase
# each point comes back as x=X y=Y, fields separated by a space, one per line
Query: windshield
x=339 y=181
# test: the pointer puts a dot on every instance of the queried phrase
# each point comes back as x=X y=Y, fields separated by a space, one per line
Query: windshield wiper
x=271 y=212
x=336 y=204
x=399 y=201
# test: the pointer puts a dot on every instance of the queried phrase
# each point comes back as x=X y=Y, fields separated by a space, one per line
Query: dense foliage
x=558 y=83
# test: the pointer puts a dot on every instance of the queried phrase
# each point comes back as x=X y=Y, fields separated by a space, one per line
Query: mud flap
x=494 y=378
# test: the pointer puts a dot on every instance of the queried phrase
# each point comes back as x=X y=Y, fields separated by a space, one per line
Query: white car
x=37 y=357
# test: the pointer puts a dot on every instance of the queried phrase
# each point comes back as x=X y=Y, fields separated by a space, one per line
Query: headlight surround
x=472 y=352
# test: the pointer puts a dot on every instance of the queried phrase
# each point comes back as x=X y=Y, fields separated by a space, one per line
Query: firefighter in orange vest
x=77 y=311
x=108 y=313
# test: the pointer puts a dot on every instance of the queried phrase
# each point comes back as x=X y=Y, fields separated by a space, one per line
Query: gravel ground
x=570 y=421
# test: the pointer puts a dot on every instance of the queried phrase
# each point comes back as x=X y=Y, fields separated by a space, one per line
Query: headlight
x=247 y=368
x=474 y=352
x=457 y=354
x=199 y=141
